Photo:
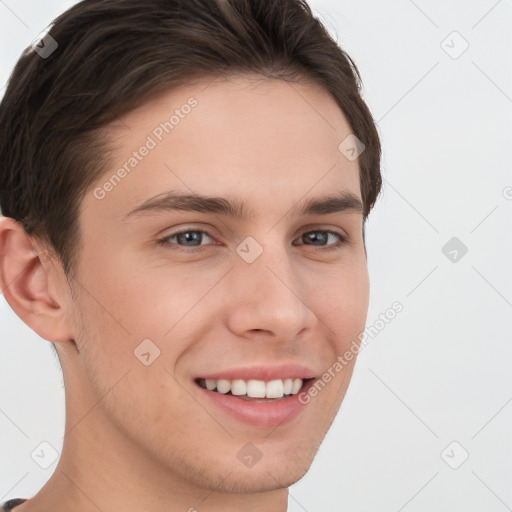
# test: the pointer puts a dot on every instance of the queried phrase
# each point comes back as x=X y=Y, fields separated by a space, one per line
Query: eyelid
x=343 y=238
x=301 y=231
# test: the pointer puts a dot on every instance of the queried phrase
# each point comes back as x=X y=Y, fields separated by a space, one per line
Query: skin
x=141 y=437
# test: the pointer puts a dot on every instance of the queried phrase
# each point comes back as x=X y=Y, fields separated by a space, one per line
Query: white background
x=441 y=370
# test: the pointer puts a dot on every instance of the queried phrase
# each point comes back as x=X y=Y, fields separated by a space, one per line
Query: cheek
x=346 y=304
x=343 y=305
x=130 y=301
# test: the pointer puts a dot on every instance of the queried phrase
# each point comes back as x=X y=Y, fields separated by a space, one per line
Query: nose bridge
x=269 y=292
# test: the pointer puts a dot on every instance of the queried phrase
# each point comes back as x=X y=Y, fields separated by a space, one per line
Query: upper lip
x=263 y=372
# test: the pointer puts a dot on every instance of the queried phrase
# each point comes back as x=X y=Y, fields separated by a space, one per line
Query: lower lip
x=260 y=414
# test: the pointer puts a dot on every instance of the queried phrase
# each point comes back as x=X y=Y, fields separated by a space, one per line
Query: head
x=234 y=122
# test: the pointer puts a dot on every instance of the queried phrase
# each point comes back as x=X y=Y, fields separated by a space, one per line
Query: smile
x=261 y=396
x=252 y=388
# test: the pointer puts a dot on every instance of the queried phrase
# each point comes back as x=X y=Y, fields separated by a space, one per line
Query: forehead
x=245 y=137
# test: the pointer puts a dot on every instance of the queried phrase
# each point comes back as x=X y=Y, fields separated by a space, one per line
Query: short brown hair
x=112 y=55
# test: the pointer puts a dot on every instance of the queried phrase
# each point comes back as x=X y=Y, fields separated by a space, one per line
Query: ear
x=26 y=278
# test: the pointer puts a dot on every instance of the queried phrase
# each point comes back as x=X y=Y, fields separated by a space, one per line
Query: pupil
x=190 y=236
x=318 y=236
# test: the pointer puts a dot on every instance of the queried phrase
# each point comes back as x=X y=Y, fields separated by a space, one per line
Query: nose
x=269 y=298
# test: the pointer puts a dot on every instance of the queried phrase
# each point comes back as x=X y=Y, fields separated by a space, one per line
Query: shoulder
x=8 y=505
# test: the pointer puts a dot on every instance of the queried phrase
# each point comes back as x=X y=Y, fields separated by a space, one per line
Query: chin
x=274 y=471
x=262 y=480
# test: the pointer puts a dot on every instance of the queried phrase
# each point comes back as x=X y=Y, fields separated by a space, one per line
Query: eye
x=189 y=238
x=192 y=239
x=321 y=237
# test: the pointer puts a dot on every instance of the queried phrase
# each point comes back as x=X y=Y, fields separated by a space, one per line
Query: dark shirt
x=10 y=504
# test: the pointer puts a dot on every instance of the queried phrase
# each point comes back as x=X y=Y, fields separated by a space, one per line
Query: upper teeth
x=256 y=388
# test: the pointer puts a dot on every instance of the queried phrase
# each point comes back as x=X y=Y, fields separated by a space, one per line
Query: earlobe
x=24 y=282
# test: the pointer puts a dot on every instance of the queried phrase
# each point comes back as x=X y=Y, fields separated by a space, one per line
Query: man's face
x=274 y=296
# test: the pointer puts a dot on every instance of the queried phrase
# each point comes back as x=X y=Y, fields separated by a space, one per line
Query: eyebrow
x=175 y=201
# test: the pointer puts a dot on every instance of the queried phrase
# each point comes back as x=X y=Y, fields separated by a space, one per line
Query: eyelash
x=173 y=246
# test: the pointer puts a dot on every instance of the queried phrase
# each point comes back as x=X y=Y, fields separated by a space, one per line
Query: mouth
x=253 y=390
x=260 y=403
